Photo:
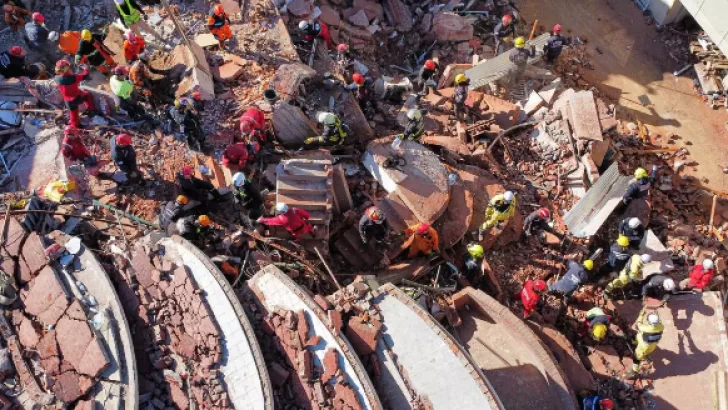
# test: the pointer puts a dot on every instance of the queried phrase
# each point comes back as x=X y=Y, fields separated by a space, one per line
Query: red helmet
x=544 y=213
x=358 y=79
x=430 y=65
x=557 y=28
x=423 y=228
x=507 y=19
x=133 y=38
x=38 y=17
x=62 y=66
x=197 y=95
x=375 y=214
x=70 y=130
x=606 y=404
x=120 y=70
x=342 y=47
x=539 y=285
x=17 y=51
x=218 y=10
x=123 y=140
x=187 y=171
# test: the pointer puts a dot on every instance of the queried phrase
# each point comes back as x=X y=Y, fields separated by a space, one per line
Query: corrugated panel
x=499 y=66
x=588 y=215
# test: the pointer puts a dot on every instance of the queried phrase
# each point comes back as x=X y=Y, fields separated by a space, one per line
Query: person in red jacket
x=531 y=296
x=235 y=156
x=73 y=148
x=700 y=277
x=293 y=219
x=252 y=125
x=133 y=46
x=68 y=82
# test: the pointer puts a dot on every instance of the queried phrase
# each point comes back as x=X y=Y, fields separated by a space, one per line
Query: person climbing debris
x=372 y=226
x=531 y=296
x=335 y=132
x=597 y=323
x=639 y=186
x=247 y=195
x=74 y=149
x=425 y=240
x=68 y=83
x=619 y=254
x=537 y=223
x=427 y=77
x=502 y=31
x=133 y=46
x=632 y=272
x=92 y=51
x=460 y=97
x=577 y=275
x=555 y=45
x=519 y=57
x=633 y=229
x=415 y=126
x=313 y=29
x=649 y=332
x=700 y=277
x=473 y=264
x=658 y=286
x=362 y=88
x=294 y=220
x=500 y=209
x=218 y=22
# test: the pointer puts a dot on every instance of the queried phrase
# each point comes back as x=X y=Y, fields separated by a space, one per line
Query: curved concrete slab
x=273 y=290
x=454 y=223
x=511 y=355
x=422 y=359
x=243 y=368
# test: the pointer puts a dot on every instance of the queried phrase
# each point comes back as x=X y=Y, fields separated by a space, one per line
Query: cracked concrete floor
x=633 y=62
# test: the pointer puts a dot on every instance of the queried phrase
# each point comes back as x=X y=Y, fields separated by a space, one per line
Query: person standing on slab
x=134 y=18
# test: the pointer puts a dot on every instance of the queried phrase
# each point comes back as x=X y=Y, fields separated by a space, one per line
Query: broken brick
x=363 y=337
x=68 y=387
x=303 y=326
x=322 y=302
x=452 y=27
x=335 y=321
x=305 y=364
x=186 y=346
x=331 y=364
x=179 y=398
x=27 y=334
x=46 y=298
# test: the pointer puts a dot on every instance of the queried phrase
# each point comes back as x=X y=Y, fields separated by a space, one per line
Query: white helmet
x=668 y=285
x=633 y=223
x=303 y=25
x=281 y=208
x=239 y=179
x=708 y=264
x=508 y=196
x=653 y=318
x=53 y=36
x=646 y=258
x=414 y=114
x=327 y=118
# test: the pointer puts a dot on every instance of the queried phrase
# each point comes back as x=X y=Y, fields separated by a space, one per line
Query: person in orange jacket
x=531 y=295
x=219 y=24
x=133 y=46
x=425 y=239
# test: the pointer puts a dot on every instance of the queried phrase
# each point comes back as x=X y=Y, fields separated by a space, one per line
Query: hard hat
x=218 y=10
x=38 y=17
x=653 y=318
x=633 y=223
x=423 y=228
x=177 y=103
x=17 y=51
x=70 y=130
x=708 y=264
x=430 y=65
x=303 y=25
x=358 y=79
x=508 y=196
x=53 y=36
x=606 y=404
x=187 y=171
x=544 y=213
x=182 y=200
x=507 y=19
x=327 y=118
x=375 y=214
x=204 y=220
x=623 y=241
x=196 y=95
x=86 y=35
x=668 y=285
x=460 y=79
x=475 y=250
x=132 y=37
x=62 y=66
x=539 y=285
x=120 y=70
x=414 y=114
x=599 y=331
x=342 y=47
x=281 y=208
x=646 y=258
x=588 y=264
x=519 y=42
x=123 y=140
x=239 y=179
x=640 y=173
x=557 y=28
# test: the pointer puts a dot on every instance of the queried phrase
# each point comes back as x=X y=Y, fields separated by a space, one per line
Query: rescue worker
x=198 y=104
x=633 y=229
x=362 y=88
x=294 y=220
x=73 y=147
x=639 y=186
x=235 y=156
x=219 y=24
x=247 y=195
x=140 y=73
x=196 y=229
x=194 y=188
x=334 y=131
x=519 y=57
x=425 y=239
x=619 y=254
x=172 y=211
x=460 y=96
x=12 y=63
x=632 y=272
x=426 y=78
x=91 y=50
x=372 y=226
x=15 y=14
x=315 y=29
x=658 y=286
x=133 y=46
x=597 y=403
x=700 y=277
x=415 y=126
x=187 y=122
x=504 y=29
x=576 y=276
x=473 y=266
x=649 y=333
x=537 y=222
x=123 y=88
x=68 y=83
x=252 y=125
x=124 y=155
x=41 y=40
x=134 y=18
x=500 y=209
x=531 y=296
x=343 y=58
x=598 y=323
x=554 y=45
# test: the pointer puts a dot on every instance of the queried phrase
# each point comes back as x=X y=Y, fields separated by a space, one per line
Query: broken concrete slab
x=584 y=117
x=451 y=27
x=455 y=222
x=359 y=19
x=46 y=298
x=330 y=16
x=400 y=14
x=291 y=125
x=492 y=70
x=534 y=102
x=206 y=40
x=373 y=9
x=548 y=93
x=290 y=79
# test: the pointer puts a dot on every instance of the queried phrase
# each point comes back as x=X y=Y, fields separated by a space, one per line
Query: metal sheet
x=498 y=67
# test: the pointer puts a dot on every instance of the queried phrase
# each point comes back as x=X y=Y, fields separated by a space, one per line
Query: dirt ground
x=631 y=61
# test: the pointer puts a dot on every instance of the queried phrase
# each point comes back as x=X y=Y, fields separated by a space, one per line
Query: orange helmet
x=123 y=140
x=539 y=285
x=358 y=79
x=423 y=228
x=218 y=10
x=507 y=19
x=182 y=200
x=375 y=214
x=204 y=220
x=430 y=65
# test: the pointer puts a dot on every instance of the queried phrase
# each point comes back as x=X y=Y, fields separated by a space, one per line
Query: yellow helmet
x=204 y=220
x=640 y=173
x=588 y=264
x=182 y=200
x=460 y=79
x=599 y=331
x=519 y=42
x=475 y=250
x=86 y=35
x=623 y=241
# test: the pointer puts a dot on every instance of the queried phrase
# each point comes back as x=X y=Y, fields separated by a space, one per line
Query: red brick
x=186 y=346
x=94 y=360
x=303 y=326
x=452 y=27
x=13 y=237
x=322 y=302
x=46 y=298
x=335 y=321
x=331 y=364
x=362 y=336
x=345 y=396
x=67 y=387
x=179 y=398
x=75 y=311
x=142 y=268
x=48 y=346
x=33 y=253
x=313 y=341
x=27 y=334
x=305 y=364
x=73 y=338
x=231 y=71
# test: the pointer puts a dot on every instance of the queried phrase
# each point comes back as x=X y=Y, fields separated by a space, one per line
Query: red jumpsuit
x=700 y=278
x=529 y=298
x=295 y=221
x=253 y=121
x=319 y=29
x=74 y=149
x=73 y=96
x=132 y=51
x=235 y=156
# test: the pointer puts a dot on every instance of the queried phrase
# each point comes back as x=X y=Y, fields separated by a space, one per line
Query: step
x=310 y=176
x=304 y=187
x=305 y=202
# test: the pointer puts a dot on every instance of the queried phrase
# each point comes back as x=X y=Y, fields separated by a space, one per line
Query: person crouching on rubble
x=373 y=226
x=235 y=156
x=170 y=212
x=632 y=272
x=188 y=123
x=314 y=29
x=536 y=224
x=247 y=195
x=252 y=129
x=218 y=22
x=531 y=296
x=123 y=88
x=596 y=323
x=500 y=209
x=133 y=46
x=294 y=220
x=73 y=148
x=473 y=265
x=124 y=156
x=363 y=90
x=197 y=229
x=196 y=189
x=619 y=254
x=577 y=275
x=700 y=277
x=69 y=83
x=425 y=240
x=639 y=186
x=92 y=50
x=633 y=229
x=415 y=126
x=335 y=132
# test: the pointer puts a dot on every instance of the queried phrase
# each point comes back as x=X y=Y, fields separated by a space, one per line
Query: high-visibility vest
x=121 y=88
x=134 y=15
